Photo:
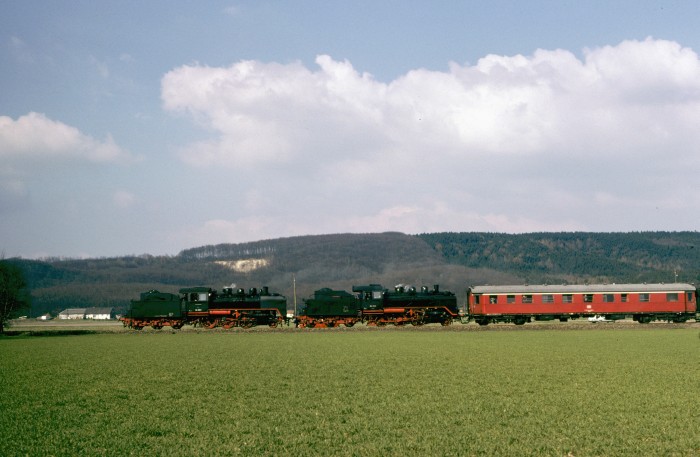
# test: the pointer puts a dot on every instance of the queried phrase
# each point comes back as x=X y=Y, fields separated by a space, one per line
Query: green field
x=370 y=392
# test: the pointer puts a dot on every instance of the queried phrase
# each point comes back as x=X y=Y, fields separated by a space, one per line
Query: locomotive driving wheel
x=247 y=322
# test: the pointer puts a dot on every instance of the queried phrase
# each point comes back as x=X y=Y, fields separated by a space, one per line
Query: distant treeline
x=307 y=263
x=553 y=257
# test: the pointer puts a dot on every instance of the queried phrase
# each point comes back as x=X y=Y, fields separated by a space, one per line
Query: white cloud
x=123 y=199
x=511 y=143
x=625 y=100
x=36 y=137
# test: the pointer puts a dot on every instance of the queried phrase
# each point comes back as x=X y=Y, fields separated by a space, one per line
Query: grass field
x=372 y=392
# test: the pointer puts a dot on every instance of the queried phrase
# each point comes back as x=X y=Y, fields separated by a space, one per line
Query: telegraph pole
x=294 y=286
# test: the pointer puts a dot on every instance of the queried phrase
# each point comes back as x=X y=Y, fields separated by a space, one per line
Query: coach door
x=475 y=302
x=691 y=303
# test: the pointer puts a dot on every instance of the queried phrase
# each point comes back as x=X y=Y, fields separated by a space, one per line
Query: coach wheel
x=482 y=322
x=519 y=321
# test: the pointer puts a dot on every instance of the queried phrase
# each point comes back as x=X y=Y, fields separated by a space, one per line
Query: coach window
x=493 y=299
x=547 y=298
x=623 y=298
x=644 y=298
x=527 y=298
x=477 y=299
x=690 y=297
x=510 y=299
x=608 y=298
x=587 y=298
x=567 y=298
x=671 y=296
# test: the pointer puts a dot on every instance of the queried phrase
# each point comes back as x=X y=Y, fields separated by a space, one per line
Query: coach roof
x=582 y=288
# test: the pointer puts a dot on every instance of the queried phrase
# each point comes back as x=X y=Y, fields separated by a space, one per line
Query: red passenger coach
x=643 y=302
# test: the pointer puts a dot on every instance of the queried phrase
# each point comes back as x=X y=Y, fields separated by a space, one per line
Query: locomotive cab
x=196 y=299
x=371 y=297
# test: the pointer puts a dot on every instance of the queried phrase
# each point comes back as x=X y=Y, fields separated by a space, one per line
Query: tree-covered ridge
x=306 y=263
x=552 y=257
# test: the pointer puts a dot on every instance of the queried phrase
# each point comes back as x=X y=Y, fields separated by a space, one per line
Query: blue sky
x=152 y=127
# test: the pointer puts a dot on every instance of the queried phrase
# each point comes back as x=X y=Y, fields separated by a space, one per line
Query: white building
x=72 y=313
x=99 y=313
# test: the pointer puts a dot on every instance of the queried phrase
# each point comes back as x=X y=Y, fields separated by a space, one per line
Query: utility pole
x=294 y=286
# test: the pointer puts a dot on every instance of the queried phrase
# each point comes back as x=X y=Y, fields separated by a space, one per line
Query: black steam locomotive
x=377 y=306
x=206 y=307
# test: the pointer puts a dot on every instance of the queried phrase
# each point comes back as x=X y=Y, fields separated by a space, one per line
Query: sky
x=149 y=127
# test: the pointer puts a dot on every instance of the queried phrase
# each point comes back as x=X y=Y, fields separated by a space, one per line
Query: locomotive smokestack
x=436 y=288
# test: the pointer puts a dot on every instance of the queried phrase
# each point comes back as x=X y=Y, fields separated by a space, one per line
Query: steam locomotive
x=206 y=307
x=377 y=306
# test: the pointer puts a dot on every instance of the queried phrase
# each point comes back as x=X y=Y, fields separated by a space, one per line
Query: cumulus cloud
x=627 y=100
x=509 y=143
x=36 y=137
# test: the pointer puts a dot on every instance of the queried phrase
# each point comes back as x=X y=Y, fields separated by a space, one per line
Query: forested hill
x=553 y=257
x=307 y=263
